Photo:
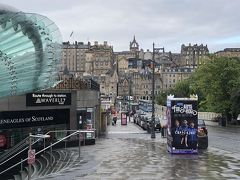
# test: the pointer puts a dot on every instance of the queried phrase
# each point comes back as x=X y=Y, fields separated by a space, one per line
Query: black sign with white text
x=32 y=118
x=48 y=99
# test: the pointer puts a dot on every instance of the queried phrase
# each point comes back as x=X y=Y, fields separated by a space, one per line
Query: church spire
x=134 y=45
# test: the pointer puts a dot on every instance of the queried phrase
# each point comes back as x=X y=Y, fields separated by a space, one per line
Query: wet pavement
x=128 y=152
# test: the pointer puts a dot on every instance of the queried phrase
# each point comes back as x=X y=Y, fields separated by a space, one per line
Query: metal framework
x=30 y=51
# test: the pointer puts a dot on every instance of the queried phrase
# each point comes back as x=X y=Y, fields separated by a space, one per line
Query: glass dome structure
x=30 y=52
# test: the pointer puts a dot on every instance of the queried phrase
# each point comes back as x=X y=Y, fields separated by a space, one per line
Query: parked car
x=142 y=120
x=146 y=122
x=136 y=116
x=157 y=124
x=202 y=135
x=139 y=118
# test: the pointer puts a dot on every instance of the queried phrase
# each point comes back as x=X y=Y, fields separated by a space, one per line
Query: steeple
x=134 y=45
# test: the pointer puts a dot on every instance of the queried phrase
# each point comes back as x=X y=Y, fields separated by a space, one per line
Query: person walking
x=115 y=118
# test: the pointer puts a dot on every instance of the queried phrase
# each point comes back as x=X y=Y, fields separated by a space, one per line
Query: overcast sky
x=168 y=23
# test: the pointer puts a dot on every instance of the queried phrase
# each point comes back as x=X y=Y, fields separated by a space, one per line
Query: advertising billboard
x=182 y=115
x=32 y=118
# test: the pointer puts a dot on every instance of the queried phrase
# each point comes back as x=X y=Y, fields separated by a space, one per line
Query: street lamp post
x=155 y=50
x=153 y=136
x=129 y=78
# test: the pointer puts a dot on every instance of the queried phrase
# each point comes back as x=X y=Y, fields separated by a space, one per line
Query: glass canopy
x=30 y=52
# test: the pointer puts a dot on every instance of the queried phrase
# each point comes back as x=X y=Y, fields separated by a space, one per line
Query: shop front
x=36 y=113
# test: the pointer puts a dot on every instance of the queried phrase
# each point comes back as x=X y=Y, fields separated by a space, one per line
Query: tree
x=217 y=84
x=182 y=89
x=216 y=80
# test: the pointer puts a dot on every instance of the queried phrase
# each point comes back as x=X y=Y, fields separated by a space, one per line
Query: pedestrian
x=162 y=130
x=115 y=118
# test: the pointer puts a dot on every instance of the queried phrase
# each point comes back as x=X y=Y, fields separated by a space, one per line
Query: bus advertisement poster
x=182 y=117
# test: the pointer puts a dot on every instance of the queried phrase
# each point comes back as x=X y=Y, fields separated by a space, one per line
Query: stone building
x=108 y=83
x=170 y=76
x=192 y=55
x=228 y=52
x=100 y=66
x=74 y=57
x=99 y=59
x=122 y=63
x=130 y=72
x=122 y=57
x=138 y=83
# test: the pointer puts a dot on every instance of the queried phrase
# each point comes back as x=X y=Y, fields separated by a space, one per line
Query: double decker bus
x=145 y=105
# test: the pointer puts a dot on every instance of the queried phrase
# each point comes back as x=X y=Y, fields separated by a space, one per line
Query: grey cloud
x=166 y=22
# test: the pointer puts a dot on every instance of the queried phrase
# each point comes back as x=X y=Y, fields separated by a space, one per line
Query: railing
x=75 y=132
x=15 y=150
x=209 y=116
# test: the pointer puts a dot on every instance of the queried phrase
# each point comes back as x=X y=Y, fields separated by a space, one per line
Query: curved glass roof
x=30 y=52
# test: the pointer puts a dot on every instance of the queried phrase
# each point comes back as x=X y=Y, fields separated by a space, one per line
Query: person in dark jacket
x=177 y=134
x=191 y=141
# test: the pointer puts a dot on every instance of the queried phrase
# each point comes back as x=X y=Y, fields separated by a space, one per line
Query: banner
x=183 y=126
x=32 y=118
x=48 y=99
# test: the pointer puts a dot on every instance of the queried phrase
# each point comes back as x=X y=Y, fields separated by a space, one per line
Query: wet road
x=225 y=138
x=129 y=153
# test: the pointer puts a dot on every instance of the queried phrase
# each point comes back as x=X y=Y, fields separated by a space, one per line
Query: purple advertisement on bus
x=182 y=126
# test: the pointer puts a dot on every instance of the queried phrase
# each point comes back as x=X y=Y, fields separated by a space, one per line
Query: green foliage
x=182 y=89
x=217 y=83
x=162 y=98
x=216 y=80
